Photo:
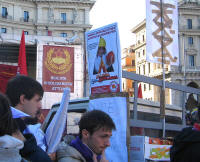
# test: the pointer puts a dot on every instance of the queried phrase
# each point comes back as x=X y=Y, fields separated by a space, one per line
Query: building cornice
x=138 y=27
x=87 y=3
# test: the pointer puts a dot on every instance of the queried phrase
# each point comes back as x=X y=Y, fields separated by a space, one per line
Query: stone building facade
x=128 y=64
x=46 y=22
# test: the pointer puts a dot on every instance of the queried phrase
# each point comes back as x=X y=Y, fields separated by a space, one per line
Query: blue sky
x=127 y=13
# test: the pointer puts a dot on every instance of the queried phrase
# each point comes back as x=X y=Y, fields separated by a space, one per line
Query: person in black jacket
x=186 y=144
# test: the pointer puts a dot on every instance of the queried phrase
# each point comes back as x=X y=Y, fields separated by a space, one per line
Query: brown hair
x=7 y=123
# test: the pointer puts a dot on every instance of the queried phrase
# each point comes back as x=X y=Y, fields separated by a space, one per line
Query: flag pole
x=162 y=97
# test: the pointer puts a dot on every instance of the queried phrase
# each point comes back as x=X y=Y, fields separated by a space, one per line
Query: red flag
x=140 y=91
x=22 y=68
x=6 y=72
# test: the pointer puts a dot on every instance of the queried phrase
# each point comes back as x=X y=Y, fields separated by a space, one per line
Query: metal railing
x=8 y=17
x=22 y=19
x=59 y=21
x=135 y=122
x=185 y=27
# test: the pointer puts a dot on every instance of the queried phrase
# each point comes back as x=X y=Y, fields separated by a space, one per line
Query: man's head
x=25 y=94
x=95 y=130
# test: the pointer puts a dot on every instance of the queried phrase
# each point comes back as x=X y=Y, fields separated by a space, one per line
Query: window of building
x=3 y=30
x=63 y=34
x=191 y=60
x=4 y=12
x=63 y=18
x=143 y=52
x=133 y=62
x=144 y=69
x=189 y=23
x=145 y=87
x=49 y=33
x=138 y=54
x=143 y=38
x=149 y=67
x=190 y=40
x=26 y=16
x=139 y=69
x=149 y=86
x=25 y=32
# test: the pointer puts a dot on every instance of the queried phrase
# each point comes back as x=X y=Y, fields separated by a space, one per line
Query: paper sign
x=116 y=107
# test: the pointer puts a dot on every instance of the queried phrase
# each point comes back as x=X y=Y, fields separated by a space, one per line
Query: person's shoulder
x=67 y=153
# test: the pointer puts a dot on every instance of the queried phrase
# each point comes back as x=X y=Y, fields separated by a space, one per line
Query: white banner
x=56 y=128
x=104 y=59
x=170 y=34
x=116 y=107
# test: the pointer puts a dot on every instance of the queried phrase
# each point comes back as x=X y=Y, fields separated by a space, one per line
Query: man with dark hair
x=95 y=130
x=187 y=143
x=25 y=95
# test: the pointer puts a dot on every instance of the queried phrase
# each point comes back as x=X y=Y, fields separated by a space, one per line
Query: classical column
x=39 y=14
x=87 y=16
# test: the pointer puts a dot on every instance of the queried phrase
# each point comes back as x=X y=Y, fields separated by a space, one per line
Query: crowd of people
x=22 y=139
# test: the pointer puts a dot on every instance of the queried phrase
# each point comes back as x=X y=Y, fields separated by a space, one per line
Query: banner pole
x=162 y=98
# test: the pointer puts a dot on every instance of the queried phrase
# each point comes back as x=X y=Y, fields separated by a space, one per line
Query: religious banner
x=6 y=73
x=58 y=68
x=154 y=34
x=104 y=59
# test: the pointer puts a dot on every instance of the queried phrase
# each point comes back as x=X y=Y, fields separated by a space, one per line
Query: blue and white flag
x=55 y=129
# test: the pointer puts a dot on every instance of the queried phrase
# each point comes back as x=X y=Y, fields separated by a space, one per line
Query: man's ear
x=85 y=133
x=22 y=99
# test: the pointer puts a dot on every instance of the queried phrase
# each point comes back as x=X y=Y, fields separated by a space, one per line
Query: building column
x=87 y=11
x=39 y=15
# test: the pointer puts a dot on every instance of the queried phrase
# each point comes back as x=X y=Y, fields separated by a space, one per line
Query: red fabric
x=22 y=68
x=6 y=72
x=140 y=91
x=196 y=126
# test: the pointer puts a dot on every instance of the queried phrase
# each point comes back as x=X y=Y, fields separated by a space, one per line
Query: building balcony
x=22 y=19
x=191 y=68
x=185 y=28
x=8 y=17
x=181 y=69
x=59 y=21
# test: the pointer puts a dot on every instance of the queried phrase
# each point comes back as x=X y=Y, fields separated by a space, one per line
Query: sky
x=127 y=13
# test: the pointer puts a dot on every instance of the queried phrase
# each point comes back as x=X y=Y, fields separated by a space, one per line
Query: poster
x=116 y=107
x=154 y=30
x=104 y=59
x=157 y=152
x=58 y=68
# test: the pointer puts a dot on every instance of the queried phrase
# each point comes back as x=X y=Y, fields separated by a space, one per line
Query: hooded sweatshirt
x=9 y=149
x=186 y=146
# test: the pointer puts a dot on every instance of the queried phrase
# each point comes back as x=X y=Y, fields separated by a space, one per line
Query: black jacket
x=31 y=151
x=186 y=146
